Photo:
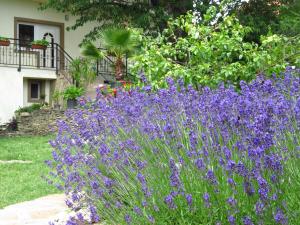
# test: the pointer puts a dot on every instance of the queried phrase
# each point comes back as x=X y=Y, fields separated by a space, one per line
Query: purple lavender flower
x=170 y=202
x=144 y=203
x=259 y=208
x=174 y=177
x=128 y=219
x=107 y=150
x=210 y=176
x=280 y=218
x=248 y=188
x=231 y=219
x=247 y=221
x=206 y=199
x=231 y=201
x=94 y=214
x=189 y=199
x=200 y=164
x=137 y=210
x=151 y=219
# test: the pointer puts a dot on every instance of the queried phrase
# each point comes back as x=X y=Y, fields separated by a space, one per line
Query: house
x=29 y=75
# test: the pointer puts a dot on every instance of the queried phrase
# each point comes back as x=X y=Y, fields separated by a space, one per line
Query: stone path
x=36 y=212
x=14 y=161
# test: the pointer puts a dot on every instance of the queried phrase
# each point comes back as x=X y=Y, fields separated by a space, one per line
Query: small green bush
x=72 y=92
x=30 y=109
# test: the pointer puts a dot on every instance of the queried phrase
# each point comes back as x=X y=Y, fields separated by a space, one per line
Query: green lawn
x=22 y=182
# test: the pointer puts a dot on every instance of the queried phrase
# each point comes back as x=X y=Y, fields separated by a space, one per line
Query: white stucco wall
x=11 y=93
x=29 y=9
x=14 y=88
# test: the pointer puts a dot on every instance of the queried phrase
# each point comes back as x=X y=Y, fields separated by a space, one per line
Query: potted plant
x=56 y=97
x=71 y=94
x=39 y=44
x=4 y=41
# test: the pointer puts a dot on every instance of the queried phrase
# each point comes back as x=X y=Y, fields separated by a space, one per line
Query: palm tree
x=118 y=42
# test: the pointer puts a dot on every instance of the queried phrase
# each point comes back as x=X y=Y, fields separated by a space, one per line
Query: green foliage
x=56 y=96
x=279 y=16
x=82 y=71
x=118 y=41
x=72 y=92
x=90 y=50
x=207 y=54
x=3 y=38
x=40 y=42
x=289 y=19
x=30 y=109
x=151 y=15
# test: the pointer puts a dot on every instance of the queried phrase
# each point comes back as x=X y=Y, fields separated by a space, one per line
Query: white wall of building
x=14 y=88
x=11 y=93
x=29 y=9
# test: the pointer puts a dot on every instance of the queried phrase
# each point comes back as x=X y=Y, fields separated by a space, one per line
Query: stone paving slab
x=36 y=212
x=14 y=161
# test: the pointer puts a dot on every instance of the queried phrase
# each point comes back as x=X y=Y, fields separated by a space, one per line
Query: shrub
x=72 y=92
x=83 y=72
x=209 y=53
x=181 y=156
x=30 y=109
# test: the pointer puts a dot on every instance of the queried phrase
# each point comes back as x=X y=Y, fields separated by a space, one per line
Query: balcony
x=21 y=54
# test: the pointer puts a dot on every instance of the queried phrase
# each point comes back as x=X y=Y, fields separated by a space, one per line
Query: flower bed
x=181 y=156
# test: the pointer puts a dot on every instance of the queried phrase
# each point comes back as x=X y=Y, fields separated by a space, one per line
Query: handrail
x=106 y=64
x=21 y=53
x=64 y=51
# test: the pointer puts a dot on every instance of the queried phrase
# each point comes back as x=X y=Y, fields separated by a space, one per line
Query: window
x=26 y=34
x=35 y=90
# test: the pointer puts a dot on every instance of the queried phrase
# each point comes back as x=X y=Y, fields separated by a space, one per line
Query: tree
x=262 y=16
x=151 y=15
x=118 y=42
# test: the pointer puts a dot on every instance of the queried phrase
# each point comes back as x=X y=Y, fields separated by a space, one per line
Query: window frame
x=41 y=90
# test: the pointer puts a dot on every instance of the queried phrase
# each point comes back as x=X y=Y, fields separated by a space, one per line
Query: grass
x=23 y=182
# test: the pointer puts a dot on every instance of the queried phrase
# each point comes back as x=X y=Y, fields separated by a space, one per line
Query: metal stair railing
x=106 y=67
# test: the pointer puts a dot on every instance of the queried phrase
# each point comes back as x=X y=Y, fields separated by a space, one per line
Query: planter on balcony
x=36 y=46
x=4 y=42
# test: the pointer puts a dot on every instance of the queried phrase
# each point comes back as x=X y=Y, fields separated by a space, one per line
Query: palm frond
x=118 y=40
x=90 y=50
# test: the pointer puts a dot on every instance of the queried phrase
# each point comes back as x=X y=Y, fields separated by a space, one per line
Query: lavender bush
x=181 y=156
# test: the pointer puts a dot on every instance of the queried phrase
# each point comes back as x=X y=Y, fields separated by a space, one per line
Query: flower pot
x=71 y=103
x=57 y=106
x=4 y=43
x=35 y=46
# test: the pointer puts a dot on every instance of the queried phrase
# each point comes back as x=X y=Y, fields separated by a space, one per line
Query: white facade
x=13 y=89
x=14 y=84
x=9 y=9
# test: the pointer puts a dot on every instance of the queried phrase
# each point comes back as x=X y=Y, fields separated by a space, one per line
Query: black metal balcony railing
x=106 y=67
x=22 y=54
